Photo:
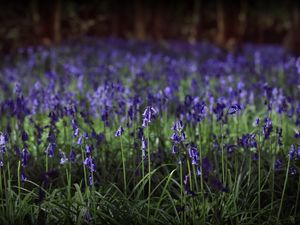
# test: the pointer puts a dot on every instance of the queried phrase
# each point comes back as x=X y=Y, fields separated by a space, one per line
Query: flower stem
x=284 y=187
x=124 y=168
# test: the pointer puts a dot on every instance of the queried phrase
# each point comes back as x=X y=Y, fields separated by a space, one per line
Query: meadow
x=124 y=132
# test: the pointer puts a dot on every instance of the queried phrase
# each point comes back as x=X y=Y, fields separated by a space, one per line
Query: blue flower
x=63 y=158
x=79 y=141
x=194 y=154
x=90 y=164
x=23 y=177
x=267 y=128
x=25 y=157
x=234 y=109
x=72 y=155
x=293 y=153
x=50 y=150
x=178 y=126
x=148 y=115
x=89 y=149
x=119 y=132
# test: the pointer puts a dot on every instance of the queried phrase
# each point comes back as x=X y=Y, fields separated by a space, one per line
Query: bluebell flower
x=79 y=141
x=297 y=134
x=178 y=126
x=76 y=132
x=3 y=142
x=23 y=177
x=50 y=149
x=174 y=149
x=89 y=149
x=293 y=153
x=119 y=132
x=24 y=136
x=267 y=128
x=91 y=180
x=25 y=157
x=257 y=121
x=194 y=154
x=219 y=110
x=234 y=109
x=148 y=115
x=248 y=141
x=72 y=156
x=63 y=158
x=293 y=170
x=86 y=135
x=176 y=138
x=90 y=164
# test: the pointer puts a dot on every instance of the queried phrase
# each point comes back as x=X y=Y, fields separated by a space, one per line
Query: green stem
x=124 y=168
x=284 y=187
x=149 y=171
x=84 y=169
x=19 y=179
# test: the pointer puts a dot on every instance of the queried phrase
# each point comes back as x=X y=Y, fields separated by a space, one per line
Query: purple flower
x=24 y=136
x=90 y=164
x=50 y=150
x=3 y=142
x=25 y=157
x=2 y=139
x=63 y=158
x=91 y=180
x=178 y=126
x=247 y=141
x=23 y=177
x=79 y=141
x=292 y=170
x=176 y=138
x=267 y=128
x=293 y=153
x=76 y=132
x=86 y=135
x=257 y=121
x=194 y=154
x=119 y=132
x=234 y=109
x=72 y=155
x=148 y=115
x=89 y=149
x=174 y=149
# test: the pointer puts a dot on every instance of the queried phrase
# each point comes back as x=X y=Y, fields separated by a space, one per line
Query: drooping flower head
x=194 y=154
x=148 y=115
x=63 y=158
x=25 y=157
x=90 y=164
x=294 y=153
x=119 y=132
x=267 y=128
x=234 y=109
x=72 y=156
x=50 y=149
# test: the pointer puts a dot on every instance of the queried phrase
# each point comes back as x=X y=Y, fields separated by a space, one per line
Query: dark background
x=226 y=23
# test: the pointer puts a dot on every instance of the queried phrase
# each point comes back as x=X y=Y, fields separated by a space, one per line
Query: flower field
x=123 y=132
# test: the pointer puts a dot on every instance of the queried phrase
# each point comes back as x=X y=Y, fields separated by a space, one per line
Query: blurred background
x=225 y=23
